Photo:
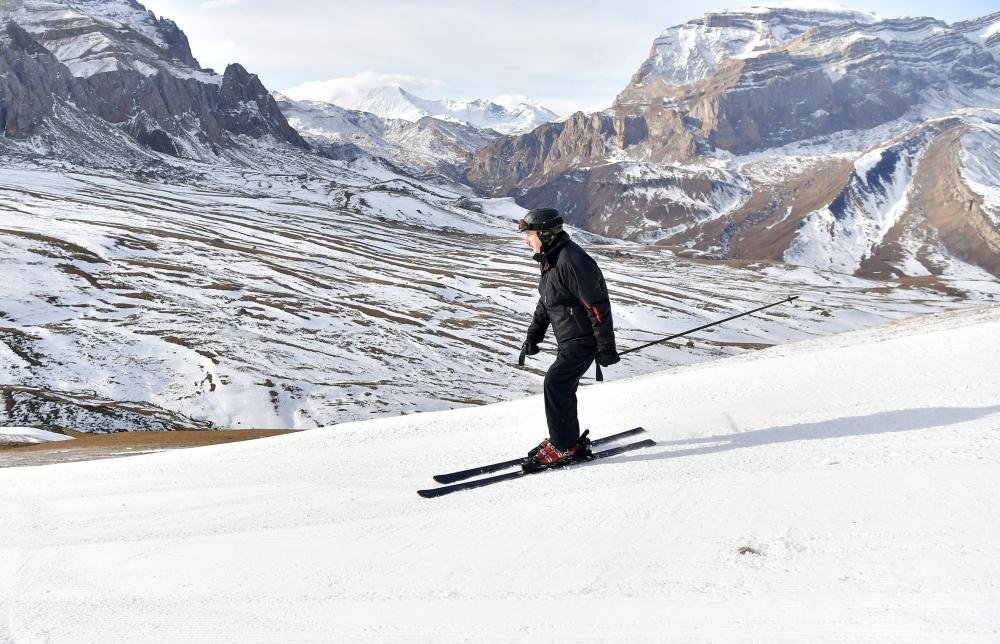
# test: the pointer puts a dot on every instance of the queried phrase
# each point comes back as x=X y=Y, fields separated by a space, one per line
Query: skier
x=574 y=300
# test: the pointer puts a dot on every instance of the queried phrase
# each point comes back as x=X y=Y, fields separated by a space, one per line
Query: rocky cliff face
x=32 y=80
x=680 y=155
x=111 y=62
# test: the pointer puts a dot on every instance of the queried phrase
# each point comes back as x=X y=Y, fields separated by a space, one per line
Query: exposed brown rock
x=763 y=227
x=955 y=212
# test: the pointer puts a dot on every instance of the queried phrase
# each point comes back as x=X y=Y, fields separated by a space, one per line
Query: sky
x=567 y=55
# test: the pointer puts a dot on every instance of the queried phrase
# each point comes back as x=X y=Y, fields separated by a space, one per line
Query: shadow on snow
x=902 y=420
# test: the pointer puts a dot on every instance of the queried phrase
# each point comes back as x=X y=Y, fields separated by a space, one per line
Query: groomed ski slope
x=863 y=469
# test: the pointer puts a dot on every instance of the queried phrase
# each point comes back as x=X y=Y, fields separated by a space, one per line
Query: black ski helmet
x=547 y=221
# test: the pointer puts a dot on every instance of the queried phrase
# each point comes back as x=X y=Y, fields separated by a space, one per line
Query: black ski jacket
x=574 y=297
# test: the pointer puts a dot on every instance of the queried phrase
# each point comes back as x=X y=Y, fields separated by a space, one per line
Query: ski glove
x=608 y=357
x=530 y=347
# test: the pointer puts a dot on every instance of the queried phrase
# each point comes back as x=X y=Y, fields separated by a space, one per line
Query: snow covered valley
x=174 y=254
x=264 y=300
x=857 y=473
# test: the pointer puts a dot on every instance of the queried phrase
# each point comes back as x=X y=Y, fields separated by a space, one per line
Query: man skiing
x=574 y=300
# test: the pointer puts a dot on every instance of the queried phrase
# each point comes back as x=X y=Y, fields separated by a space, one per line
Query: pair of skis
x=452 y=480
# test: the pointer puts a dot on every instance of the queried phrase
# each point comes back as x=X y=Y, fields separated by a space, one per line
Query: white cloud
x=512 y=100
x=350 y=90
x=215 y=4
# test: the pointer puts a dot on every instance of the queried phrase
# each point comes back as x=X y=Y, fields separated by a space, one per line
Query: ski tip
x=427 y=494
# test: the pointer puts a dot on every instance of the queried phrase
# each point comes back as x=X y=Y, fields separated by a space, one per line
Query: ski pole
x=705 y=326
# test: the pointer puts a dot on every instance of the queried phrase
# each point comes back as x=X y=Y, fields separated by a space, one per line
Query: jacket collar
x=548 y=257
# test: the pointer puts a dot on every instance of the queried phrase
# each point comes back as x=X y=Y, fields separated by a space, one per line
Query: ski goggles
x=522 y=225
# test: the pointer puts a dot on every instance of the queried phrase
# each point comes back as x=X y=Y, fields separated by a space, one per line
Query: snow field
x=29 y=435
x=860 y=468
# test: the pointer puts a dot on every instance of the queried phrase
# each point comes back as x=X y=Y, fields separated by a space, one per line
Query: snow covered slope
x=336 y=294
x=24 y=435
x=857 y=474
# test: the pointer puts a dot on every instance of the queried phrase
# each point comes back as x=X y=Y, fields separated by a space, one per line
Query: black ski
x=496 y=467
x=468 y=485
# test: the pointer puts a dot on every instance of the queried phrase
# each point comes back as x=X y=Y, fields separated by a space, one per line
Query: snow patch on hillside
x=693 y=51
x=30 y=435
x=98 y=36
x=840 y=236
x=980 y=154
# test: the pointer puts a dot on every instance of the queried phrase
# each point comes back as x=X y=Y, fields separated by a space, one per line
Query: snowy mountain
x=98 y=36
x=841 y=489
x=985 y=30
x=397 y=103
x=694 y=51
x=827 y=138
x=106 y=83
x=425 y=147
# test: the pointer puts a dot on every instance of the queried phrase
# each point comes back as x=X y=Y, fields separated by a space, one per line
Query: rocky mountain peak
x=177 y=42
x=248 y=108
x=694 y=50
x=691 y=152
x=94 y=36
x=71 y=70
x=984 y=31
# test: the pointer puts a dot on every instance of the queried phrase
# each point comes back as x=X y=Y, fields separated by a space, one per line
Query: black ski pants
x=561 y=380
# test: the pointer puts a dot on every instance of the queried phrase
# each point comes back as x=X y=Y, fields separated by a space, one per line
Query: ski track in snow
x=862 y=470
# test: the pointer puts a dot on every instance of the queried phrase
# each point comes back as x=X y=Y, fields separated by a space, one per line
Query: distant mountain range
x=396 y=103
x=426 y=147
x=827 y=138
x=105 y=83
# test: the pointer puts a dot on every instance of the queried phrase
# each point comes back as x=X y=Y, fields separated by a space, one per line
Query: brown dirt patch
x=87 y=447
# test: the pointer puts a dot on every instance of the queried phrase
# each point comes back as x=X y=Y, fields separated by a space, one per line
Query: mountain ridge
x=394 y=102
x=773 y=81
x=108 y=83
